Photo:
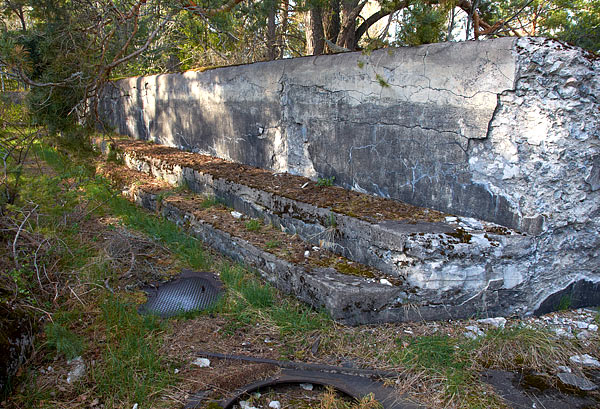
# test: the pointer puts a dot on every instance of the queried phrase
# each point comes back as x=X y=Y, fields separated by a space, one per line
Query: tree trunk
x=331 y=20
x=350 y=11
x=271 y=32
x=315 y=44
x=284 y=26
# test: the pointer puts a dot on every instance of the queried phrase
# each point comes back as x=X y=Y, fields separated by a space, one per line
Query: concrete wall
x=504 y=130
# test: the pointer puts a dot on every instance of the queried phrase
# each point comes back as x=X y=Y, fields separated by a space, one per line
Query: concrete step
x=439 y=266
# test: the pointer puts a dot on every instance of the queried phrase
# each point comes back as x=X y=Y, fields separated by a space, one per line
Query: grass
x=132 y=369
x=253 y=225
x=325 y=181
x=127 y=349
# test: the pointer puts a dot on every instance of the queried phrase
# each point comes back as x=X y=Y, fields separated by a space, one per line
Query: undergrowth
x=61 y=274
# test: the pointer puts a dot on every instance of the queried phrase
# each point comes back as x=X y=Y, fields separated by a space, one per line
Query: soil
x=351 y=203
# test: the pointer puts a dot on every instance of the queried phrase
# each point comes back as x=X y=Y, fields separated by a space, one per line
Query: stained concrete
x=506 y=131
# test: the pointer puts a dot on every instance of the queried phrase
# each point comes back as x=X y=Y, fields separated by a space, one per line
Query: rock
x=583 y=334
x=564 y=369
x=562 y=333
x=307 y=386
x=475 y=329
x=581 y=324
x=593 y=327
x=578 y=382
x=135 y=406
x=384 y=282
x=585 y=360
x=306 y=254
x=77 y=369
x=274 y=404
x=246 y=405
x=498 y=322
x=201 y=362
x=236 y=215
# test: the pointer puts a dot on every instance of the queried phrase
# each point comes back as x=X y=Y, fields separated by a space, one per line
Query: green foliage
x=325 y=181
x=64 y=342
x=422 y=24
x=132 y=369
x=382 y=81
x=253 y=225
x=271 y=244
x=211 y=201
x=576 y=22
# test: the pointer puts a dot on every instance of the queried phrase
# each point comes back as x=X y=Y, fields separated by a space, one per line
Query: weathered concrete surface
x=349 y=299
x=400 y=120
x=505 y=131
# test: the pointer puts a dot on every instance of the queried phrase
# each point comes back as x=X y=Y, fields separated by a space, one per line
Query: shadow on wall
x=180 y=110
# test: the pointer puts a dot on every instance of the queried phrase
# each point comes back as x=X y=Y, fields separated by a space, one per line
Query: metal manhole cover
x=192 y=291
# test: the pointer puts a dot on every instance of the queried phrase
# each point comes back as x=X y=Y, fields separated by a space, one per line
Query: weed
x=325 y=181
x=253 y=225
x=382 y=81
x=331 y=221
x=271 y=244
x=63 y=341
x=565 y=303
x=361 y=64
x=131 y=370
x=211 y=201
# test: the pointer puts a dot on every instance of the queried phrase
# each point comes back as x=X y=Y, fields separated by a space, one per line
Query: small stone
x=475 y=329
x=564 y=369
x=583 y=334
x=135 y=406
x=585 y=360
x=201 y=362
x=77 y=371
x=176 y=371
x=384 y=282
x=451 y=219
x=577 y=382
x=274 y=404
x=307 y=386
x=498 y=322
x=246 y=405
x=560 y=332
x=236 y=215
x=306 y=254
x=581 y=324
x=593 y=327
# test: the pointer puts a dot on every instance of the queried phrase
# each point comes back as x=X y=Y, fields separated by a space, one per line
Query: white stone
x=384 y=282
x=564 y=369
x=201 y=362
x=498 y=322
x=581 y=324
x=475 y=329
x=236 y=215
x=274 y=404
x=593 y=327
x=246 y=405
x=306 y=254
x=451 y=219
x=585 y=360
x=135 y=406
x=307 y=386
x=77 y=369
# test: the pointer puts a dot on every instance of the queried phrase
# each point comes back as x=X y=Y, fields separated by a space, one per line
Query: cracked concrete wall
x=489 y=129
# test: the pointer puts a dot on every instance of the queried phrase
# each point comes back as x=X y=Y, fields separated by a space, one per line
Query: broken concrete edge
x=426 y=254
x=348 y=299
x=468 y=279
